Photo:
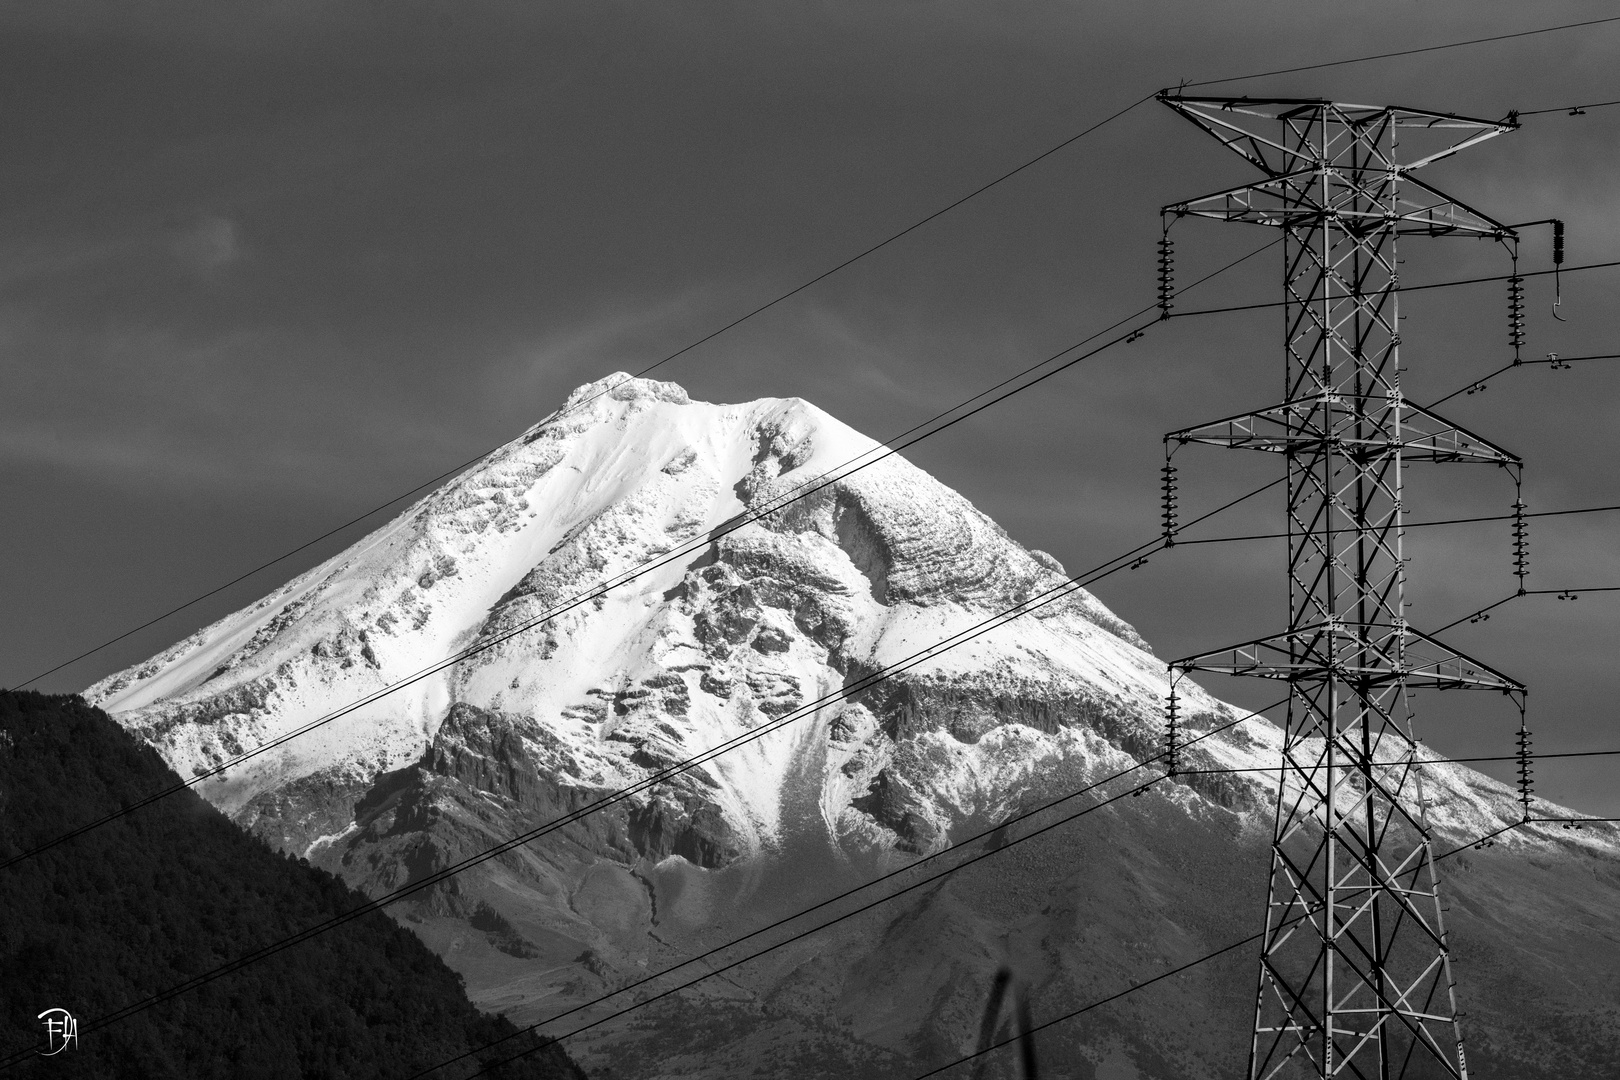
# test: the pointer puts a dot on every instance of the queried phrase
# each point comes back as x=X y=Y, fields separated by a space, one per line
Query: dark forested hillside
x=174 y=890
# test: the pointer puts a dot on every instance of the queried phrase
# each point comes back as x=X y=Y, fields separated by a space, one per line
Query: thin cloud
x=208 y=246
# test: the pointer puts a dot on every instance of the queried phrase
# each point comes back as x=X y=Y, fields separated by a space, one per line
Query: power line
x=1107 y=1000
x=1035 y=603
x=1542 y=513
x=1418 y=761
x=309 y=933
x=1570 y=594
x=831 y=922
x=792 y=292
x=566 y=412
x=1552 y=359
x=1040 y=601
x=785 y=296
x=1507 y=517
x=1043 y=155
x=1539 y=756
x=1569 y=110
x=1115 y=567
x=243 y=577
x=808 y=487
x=1012 y=613
x=1077 y=359
x=1451 y=283
x=1007 y=823
x=1412 y=525
x=1140 y=788
x=1565 y=594
x=599 y=592
x=601 y=589
x=1096 y=1004
x=1426 y=850
x=1233 y=771
x=1473 y=615
x=913 y=660
x=1504 y=277
x=1222 y=951
x=1476 y=385
x=1410 y=52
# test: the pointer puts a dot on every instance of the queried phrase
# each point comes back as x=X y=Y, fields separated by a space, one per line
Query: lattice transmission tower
x=1355 y=972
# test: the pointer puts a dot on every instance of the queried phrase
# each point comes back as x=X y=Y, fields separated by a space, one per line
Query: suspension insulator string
x=1516 y=309
x=1558 y=261
x=1168 y=474
x=1172 y=730
x=1167 y=275
x=1521 y=539
x=1525 y=783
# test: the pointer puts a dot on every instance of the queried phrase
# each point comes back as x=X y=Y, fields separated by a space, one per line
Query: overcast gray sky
x=264 y=266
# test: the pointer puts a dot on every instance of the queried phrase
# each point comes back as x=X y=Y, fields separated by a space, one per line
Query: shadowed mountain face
x=765 y=634
x=145 y=902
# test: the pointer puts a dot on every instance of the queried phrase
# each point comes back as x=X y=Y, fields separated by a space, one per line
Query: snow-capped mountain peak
x=727 y=631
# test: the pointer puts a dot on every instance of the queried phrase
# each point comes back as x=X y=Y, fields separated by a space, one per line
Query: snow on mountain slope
x=862 y=572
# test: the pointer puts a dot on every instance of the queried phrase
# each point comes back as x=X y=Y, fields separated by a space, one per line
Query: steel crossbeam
x=1324 y=423
x=1355 y=972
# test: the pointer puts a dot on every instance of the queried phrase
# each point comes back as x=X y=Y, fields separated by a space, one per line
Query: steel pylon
x=1355 y=970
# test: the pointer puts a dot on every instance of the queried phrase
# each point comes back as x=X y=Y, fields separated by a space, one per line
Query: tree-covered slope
x=173 y=890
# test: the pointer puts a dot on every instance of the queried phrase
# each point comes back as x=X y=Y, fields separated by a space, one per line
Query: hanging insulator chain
x=1172 y=732
x=1558 y=262
x=1521 y=544
x=1167 y=275
x=1525 y=784
x=1169 y=474
x=1516 y=313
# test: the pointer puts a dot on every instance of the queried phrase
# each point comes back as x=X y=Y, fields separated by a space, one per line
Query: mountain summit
x=763 y=558
x=857 y=574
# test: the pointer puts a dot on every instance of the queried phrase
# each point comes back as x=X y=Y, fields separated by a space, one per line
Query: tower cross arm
x=1217 y=117
x=1356 y=200
x=1366 y=429
x=1440 y=667
x=1427 y=436
x=1232 y=120
x=1371 y=654
x=1445 y=215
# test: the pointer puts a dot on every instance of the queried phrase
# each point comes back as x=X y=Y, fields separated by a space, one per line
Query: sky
x=266 y=266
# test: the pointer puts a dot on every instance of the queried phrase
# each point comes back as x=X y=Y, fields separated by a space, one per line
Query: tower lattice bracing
x=1355 y=973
